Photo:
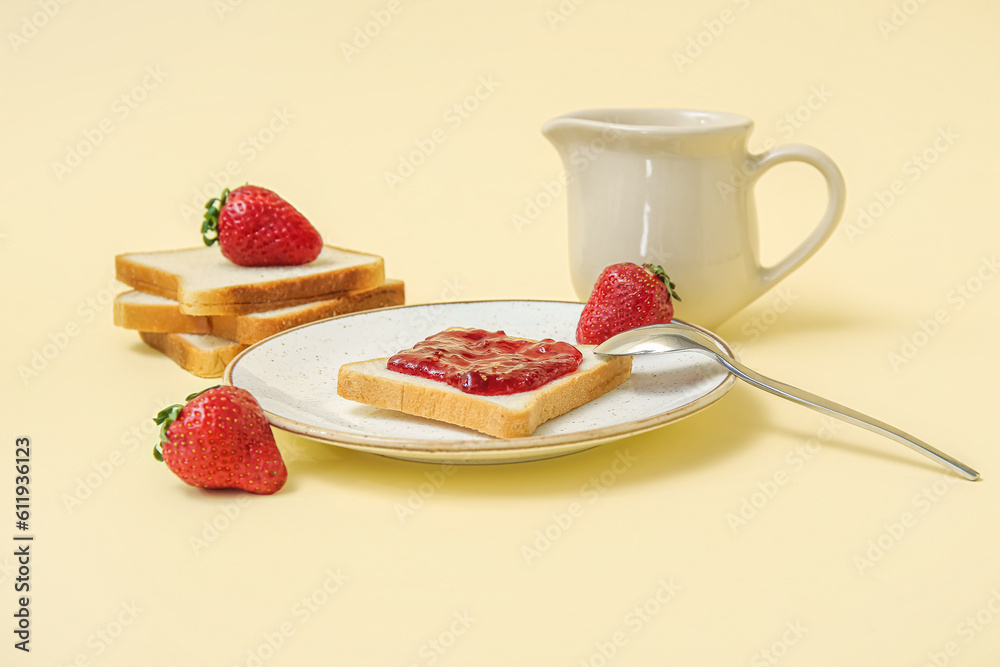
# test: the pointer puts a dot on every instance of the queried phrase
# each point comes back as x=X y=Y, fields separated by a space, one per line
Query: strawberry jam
x=487 y=363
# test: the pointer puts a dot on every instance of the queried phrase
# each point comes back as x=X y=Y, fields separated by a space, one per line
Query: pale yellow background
x=121 y=561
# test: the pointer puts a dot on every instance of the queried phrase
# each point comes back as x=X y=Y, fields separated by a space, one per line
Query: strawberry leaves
x=658 y=271
x=210 y=225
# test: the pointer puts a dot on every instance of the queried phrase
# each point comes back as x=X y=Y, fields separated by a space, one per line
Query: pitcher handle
x=836 y=193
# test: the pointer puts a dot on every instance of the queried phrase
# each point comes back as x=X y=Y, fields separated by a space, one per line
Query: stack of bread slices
x=201 y=310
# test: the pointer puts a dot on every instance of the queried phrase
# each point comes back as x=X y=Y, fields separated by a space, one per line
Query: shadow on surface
x=139 y=347
x=751 y=326
x=690 y=444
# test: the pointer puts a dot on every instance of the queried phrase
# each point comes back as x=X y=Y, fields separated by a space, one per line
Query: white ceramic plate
x=293 y=375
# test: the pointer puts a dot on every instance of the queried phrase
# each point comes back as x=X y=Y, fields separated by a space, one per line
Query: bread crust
x=436 y=400
x=251 y=328
x=157 y=317
x=253 y=296
x=203 y=362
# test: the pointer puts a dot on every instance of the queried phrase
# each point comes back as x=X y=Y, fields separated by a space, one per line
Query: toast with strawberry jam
x=488 y=389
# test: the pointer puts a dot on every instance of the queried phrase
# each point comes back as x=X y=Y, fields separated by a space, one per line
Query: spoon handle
x=844 y=413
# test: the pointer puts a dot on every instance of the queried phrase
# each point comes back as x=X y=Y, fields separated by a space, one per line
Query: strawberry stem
x=658 y=271
x=210 y=226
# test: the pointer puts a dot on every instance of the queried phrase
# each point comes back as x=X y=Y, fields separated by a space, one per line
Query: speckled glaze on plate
x=293 y=375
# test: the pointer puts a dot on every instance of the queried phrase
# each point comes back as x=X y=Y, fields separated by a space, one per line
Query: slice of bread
x=203 y=282
x=150 y=313
x=142 y=311
x=510 y=416
x=203 y=355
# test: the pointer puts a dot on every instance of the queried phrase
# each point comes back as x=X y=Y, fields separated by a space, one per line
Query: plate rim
x=475 y=448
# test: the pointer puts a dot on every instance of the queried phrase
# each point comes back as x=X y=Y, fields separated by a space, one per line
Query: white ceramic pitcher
x=675 y=187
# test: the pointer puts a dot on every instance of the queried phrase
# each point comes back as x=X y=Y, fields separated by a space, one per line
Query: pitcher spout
x=565 y=132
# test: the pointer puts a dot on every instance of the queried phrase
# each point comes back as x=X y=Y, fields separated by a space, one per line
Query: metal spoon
x=677 y=337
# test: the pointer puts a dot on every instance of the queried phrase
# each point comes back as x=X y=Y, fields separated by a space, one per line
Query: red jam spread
x=487 y=363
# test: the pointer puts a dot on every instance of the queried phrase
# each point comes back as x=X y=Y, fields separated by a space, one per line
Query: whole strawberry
x=626 y=296
x=256 y=227
x=221 y=440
